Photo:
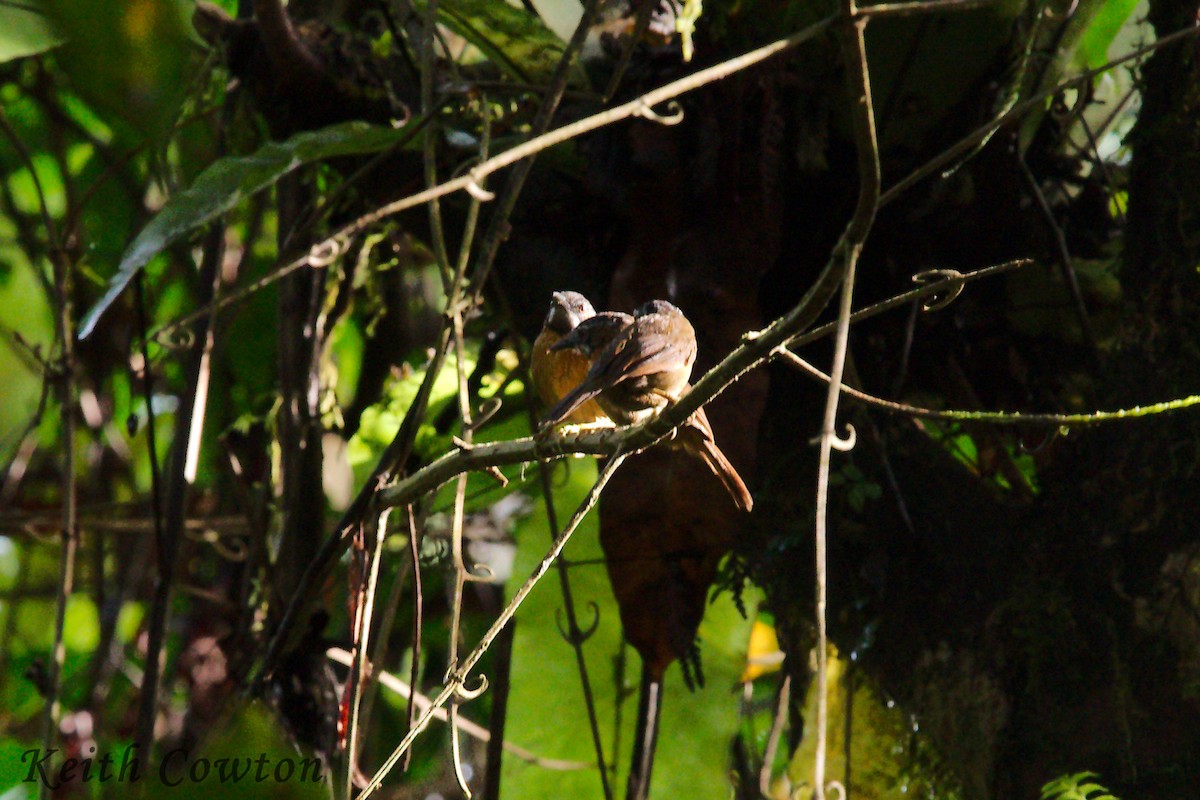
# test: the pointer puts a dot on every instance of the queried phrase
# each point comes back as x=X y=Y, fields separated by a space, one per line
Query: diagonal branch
x=456 y=681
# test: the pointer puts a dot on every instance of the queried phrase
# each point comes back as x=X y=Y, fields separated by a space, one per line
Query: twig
x=781 y=714
x=883 y=10
x=176 y=501
x=392 y=683
x=418 y=613
x=455 y=682
x=640 y=24
x=429 y=145
x=364 y=613
x=995 y=417
x=501 y=684
x=139 y=300
x=461 y=574
x=1066 y=264
x=858 y=85
x=383 y=630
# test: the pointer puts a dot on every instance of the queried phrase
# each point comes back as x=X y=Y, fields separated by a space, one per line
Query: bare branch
x=995 y=417
x=472 y=729
x=456 y=681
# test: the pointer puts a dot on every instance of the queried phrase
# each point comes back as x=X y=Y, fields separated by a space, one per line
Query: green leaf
x=226 y=183
x=130 y=61
x=25 y=31
x=516 y=41
x=692 y=755
x=1102 y=30
x=81 y=627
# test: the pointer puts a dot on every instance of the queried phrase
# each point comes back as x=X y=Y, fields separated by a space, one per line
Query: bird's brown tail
x=728 y=475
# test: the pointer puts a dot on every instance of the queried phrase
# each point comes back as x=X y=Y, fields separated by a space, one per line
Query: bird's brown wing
x=646 y=349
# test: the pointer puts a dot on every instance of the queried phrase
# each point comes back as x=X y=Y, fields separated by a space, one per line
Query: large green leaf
x=229 y=181
x=546 y=710
x=25 y=31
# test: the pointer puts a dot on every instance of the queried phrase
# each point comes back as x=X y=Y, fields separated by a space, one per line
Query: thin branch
x=456 y=681
x=766 y=772
x=1066 y=264
x=382 y=634
x=175 y=507
x=27 y=162
x=414 y=673
x=884 y=10
x=858 y=85
x=139 y=298
x=639 y=107
x=759 y=347
x=994 y=417
x=364 y=613
x=574 y=633
x=69 y=534
x=429 y=145
x=472 y=729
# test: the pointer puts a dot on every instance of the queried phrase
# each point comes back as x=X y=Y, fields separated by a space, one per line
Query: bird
x=639 y=365
x=555 y=374
x=639 y=372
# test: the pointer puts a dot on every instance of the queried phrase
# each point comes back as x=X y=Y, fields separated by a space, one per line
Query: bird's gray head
x=656 y=307
x=567 y=310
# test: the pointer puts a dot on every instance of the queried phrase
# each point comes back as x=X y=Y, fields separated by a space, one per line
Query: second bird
x=640 y=371
x=640 y=365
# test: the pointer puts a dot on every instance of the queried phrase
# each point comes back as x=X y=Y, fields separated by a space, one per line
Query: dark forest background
x=215 y=354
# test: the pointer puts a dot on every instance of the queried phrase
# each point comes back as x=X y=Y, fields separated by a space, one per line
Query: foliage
x=1079 y=786
x=139 y=186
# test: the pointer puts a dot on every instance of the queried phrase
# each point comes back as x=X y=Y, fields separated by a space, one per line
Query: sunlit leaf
x=1102 y=30
x=516 y=41
x=25 y=31
x=81 y=627
x=229 y=181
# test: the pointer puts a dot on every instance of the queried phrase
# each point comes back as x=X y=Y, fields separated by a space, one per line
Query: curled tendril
x=475 y=188
x=836 y=789
x=582 y=634
x=844 y=445
x=175 y=338
x=462 y=694
x=674 y=114
x=938 y=302
x=322 y=254
x=480 y=573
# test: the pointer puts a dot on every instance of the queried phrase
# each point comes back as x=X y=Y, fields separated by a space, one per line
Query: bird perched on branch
x=639 y=365
x=555 y=374
x=640 y=371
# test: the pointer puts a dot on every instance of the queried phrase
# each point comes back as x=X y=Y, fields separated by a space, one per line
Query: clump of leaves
x=1079 y=786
